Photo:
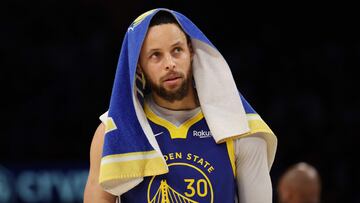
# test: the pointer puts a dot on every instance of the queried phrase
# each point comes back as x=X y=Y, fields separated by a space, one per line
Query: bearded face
x=165 y=60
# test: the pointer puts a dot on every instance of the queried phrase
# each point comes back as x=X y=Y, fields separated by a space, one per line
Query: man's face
x=165 y=60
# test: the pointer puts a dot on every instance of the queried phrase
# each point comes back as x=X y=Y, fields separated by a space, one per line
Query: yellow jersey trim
x=175 y=131
x=231 y=151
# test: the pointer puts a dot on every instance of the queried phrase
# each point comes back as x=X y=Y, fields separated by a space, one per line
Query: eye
x=177 y=49
x=155 y=55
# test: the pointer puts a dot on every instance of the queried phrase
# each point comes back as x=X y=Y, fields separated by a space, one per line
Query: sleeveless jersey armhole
x=231 y=152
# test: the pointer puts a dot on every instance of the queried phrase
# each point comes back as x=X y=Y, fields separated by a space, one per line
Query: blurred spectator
x=300 y=184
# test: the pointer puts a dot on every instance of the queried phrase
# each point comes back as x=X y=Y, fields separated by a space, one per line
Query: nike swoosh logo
x=158 y=134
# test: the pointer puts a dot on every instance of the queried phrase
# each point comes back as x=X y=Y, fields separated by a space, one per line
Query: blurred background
x=58 y=59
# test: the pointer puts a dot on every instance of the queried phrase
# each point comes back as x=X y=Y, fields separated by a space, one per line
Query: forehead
x=163 y=35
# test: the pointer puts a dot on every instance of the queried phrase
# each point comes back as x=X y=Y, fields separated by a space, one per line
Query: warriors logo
x=184 y=183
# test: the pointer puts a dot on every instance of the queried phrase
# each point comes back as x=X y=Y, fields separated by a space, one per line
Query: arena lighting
x=30 y=185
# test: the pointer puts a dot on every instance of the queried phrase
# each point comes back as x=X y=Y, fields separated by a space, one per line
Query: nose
x=169 y=62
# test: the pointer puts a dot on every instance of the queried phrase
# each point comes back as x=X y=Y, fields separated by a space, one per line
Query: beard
x=172 y=95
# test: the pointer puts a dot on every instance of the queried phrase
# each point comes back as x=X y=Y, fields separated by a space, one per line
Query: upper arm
x=252 y=170
x=93 y=191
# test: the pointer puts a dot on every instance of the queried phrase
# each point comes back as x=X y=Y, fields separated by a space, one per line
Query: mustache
x=172 y=75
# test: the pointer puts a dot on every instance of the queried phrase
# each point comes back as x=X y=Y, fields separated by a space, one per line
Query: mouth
x=172 y=79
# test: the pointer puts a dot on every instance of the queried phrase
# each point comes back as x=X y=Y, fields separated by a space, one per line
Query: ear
x=284 y=192
x=139 y=72
x=139 y=69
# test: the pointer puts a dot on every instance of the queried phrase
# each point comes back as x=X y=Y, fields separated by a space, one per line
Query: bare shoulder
x=93 y=191
x=96 y=148
x=98 y=138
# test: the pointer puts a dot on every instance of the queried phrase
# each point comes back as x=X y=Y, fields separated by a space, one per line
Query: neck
x=190 y=101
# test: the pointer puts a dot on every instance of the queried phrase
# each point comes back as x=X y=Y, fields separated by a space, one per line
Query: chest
x=199 y=169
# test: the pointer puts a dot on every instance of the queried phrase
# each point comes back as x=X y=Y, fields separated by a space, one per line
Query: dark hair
x=165 y=17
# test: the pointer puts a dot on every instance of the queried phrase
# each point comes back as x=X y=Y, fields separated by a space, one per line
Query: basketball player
x=200 y=170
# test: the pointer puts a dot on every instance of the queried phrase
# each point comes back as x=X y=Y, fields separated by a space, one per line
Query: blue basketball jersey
x=199 y=169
